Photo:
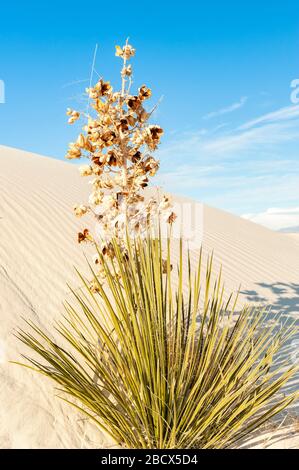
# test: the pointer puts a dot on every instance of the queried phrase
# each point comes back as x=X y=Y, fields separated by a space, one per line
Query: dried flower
x=94 y=286
x=126 y=71
x=74 y=115
x=126 y=52
x=84 y=236
x=135 y=155
x=117 y=139
x=144 y=93
x=85 y=170
x=152 y=136
x=151 y=166
x=171 y=217
x=164 y=204
x=80 y=210
x=96 y=259
x=108 y=250
x=73 y=152
x=95 y=198
x=134 y=102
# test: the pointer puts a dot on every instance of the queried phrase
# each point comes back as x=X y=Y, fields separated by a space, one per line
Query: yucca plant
x=158 y=359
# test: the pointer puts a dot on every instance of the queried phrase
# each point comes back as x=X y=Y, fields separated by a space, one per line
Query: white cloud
x=276 y=218
x=255 y=138
x=282 y=114
x=265 y=132
x=241 y=169
x=186 y=177
x=228 y=109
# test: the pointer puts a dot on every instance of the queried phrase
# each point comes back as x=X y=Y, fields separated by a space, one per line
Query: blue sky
x=224 y=70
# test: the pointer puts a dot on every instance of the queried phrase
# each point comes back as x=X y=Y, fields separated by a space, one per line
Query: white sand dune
x=37 y=252
x=295 y=236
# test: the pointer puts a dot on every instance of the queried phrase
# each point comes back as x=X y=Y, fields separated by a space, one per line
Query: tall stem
x=124 y=156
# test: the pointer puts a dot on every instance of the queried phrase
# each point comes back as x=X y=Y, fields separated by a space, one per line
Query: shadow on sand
x=285 y=301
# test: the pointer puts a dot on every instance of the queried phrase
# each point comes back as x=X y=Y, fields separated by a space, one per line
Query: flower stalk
x=119 y=142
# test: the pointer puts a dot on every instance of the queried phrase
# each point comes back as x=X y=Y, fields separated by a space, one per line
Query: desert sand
x=295 y=236
x=38 y=251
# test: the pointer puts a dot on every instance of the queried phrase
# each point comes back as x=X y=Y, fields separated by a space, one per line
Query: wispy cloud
x=254 y=138
x=244 y=168
x=75 y=82
x=273 y=128
x=276 y=218
x=267 y=131
x=228 y=109
x=283 y=114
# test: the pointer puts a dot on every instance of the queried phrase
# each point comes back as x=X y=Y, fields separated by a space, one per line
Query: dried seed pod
x=85 y=170
x=144 y=93
x=84 y=236
x=80 y=210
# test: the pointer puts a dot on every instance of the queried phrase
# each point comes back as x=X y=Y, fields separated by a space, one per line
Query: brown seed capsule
x=84 y=236
x=136 y=157
x=134 y=103
x=80 y=210
x=171 y=218
x=144 y=92
x=126 y=71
